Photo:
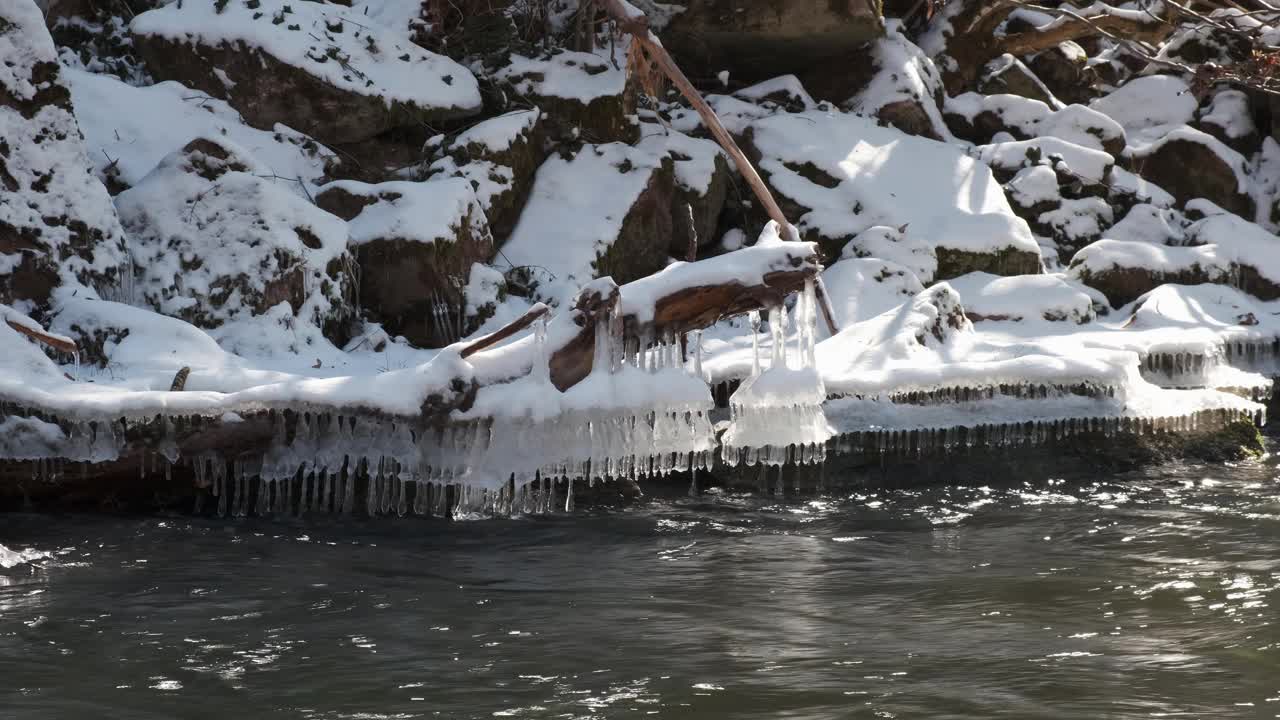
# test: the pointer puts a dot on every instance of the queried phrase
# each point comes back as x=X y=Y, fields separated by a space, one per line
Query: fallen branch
x=56 y=342
x=505 y=332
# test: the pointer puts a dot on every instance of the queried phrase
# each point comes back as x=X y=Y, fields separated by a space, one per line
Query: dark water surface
x=1144 y=595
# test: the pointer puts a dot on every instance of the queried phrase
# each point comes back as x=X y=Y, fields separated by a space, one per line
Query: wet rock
x=58 y=229
x=307 y=65
x=499 y=157
x=215 y=243
x=758 y=39
x=415 y=244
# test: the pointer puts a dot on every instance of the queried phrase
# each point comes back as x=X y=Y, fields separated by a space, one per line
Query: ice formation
x=777 y=416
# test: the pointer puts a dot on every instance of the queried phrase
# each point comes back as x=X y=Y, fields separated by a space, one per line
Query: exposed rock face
x=758 y=39
x=58 y=228
x=306 y=65
x=415 y=243
x=499 y=158
x=213 y=243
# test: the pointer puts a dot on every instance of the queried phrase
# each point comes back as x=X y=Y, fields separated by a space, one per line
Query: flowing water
x=1134 y=596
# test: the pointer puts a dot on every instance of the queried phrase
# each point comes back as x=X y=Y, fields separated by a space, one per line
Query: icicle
x=778 y=330
x=754 y=320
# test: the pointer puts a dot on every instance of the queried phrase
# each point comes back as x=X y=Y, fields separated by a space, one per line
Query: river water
x=1134 y=596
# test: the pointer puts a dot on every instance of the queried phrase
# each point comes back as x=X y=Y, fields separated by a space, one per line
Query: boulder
x=1228 y=116
x=758 y=39
x=415 y=244
x=852 y=174
x=1220 y=173
x=584 y=97
x=1024 y=298
x=905 y=91
x=58 y=229
x=604 y=210
x=1064 y=69
x=1125 y=270
x=314 y=67
x=216 y=244
x=1007 y=75
x=499 y=157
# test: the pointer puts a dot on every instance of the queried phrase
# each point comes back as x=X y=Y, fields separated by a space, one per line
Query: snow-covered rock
x=58 y=229
x=862 y=288
x=216 y=244
x=315 y=67
x=604 y=211
x=851 y=175
x=499 y=158
x=988 y=297
x=415 y=244
x=906 y=90
x=583 y=95
x=128 y=130
x=1192 y=164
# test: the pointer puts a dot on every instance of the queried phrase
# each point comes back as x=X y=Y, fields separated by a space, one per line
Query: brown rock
x=1167 y=163
x=415 y=243
x=758 y=39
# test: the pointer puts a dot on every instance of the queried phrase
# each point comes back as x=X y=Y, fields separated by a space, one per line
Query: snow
x=1105 y=255
x=568 y=75
x=131 y=129
x=1024 y=297
x=374 y=59
x=497 y=134
x=1150 y=224
x=1229 y=110
x=889 y=179
x=1034 y=185
x=1086 y=163
x=1148 y=107
x=784 y=87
